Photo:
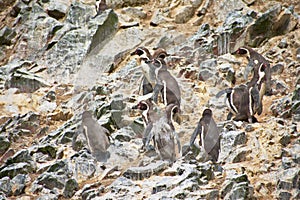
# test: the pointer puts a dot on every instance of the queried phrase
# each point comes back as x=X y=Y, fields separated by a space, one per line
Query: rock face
x=59 y=59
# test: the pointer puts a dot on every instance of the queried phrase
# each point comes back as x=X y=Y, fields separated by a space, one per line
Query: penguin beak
x=135 y=107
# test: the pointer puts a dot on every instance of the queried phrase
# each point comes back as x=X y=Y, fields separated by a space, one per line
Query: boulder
x=140 y=173
x=25 y=81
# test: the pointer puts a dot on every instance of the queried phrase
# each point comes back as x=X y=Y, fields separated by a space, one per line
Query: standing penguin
x=255 y=60
x=149 y=114
x=209 y=135
x=163 y=133
x=96 y=137
x=166 y=84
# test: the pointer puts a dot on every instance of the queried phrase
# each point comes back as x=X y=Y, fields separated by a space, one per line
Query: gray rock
x=277 y=69
x=6 y=186
x=296 y=94
x=13 y=170
x=48 y=197
x=284 y=195
x=239 y=155
x=121 y=188
x=287 y=162
x=289 y=179
x=229 y=142
x=18 y=184
x=50 y=181
x=4 y=144
x=70 y=187
x=25 y=81
x=184 y=14
x=136 y=12
x=140 y=173
x=124 y=134
x=285 y=139
x=57 y=9
x=241 y=191
x=7 y=35
x=237 y=187
x=125 y=3
x=276 y=21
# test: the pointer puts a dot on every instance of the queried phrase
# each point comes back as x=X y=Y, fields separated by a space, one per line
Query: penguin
x=163 y=133
x=149 y=114
x=209 y=135
x=166 y=84
x=145 y=57
x=255 y=60
x=96 y=137
x=245 y=100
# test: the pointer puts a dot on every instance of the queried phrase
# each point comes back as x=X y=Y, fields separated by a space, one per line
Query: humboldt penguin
x=163 y=133
x=244 y=101
x=96 y=137
x=148 y=81
x=255 y=60
x=166 y=84
x=209 y=135
x=149 y=114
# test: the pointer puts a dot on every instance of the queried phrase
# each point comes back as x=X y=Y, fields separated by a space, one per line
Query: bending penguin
x=244 y=101
x=255 y=60
x=209 y=135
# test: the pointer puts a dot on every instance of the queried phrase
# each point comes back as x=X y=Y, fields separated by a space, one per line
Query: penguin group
x=157 y=82
x=243 y=101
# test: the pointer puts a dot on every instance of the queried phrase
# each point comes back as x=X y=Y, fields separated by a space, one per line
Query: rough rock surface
x=60 y=58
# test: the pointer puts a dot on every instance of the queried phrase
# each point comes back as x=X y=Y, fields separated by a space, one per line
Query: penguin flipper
x=222 y=92
x=156 y=90
x=148 y=135
x=257 y=100
x=178 y=141
x=197 y=131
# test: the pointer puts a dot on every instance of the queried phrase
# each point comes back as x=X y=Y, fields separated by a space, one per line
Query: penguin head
x=207 y=112
x=159 y=63
x=143 y=53
x=241 y=51
x=160 y=53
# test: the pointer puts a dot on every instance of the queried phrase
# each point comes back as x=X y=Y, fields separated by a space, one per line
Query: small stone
x=283 y=43
x=57 y=9
x=5 y=186
x=289 y=179
x=18 y=184
x=284 y=195
x=249 y=128
x=285 y=139
x=4 y=144
x=6 y=35
x=277 y=69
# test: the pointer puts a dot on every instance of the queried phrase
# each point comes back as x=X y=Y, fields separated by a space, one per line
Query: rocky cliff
x=61 y=58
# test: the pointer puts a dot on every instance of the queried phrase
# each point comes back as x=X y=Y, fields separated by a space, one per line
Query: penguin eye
x=162 y=56
x=242 y=51
x=139 y=52
x=156 y=62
